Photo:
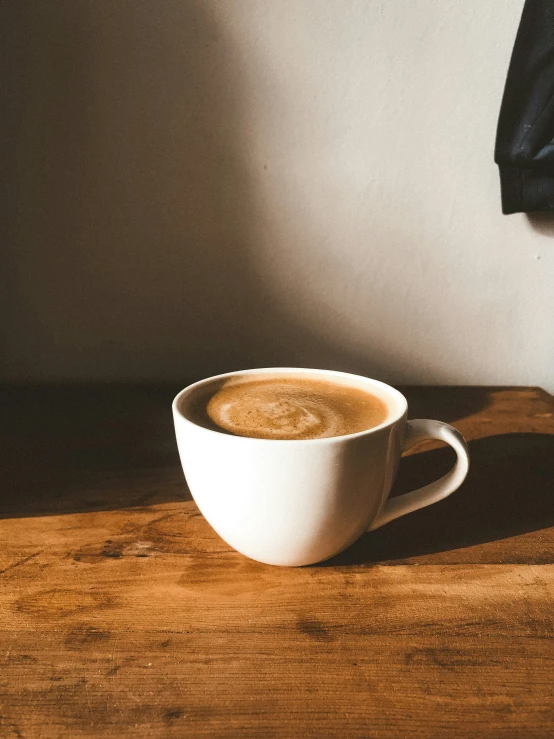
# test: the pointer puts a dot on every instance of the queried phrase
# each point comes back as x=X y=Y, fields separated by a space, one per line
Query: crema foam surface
x=289 y=407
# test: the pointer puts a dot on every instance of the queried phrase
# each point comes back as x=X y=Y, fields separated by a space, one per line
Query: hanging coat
x=524 y=148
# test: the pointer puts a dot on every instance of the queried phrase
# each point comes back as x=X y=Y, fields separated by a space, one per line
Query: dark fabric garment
x=524 y=148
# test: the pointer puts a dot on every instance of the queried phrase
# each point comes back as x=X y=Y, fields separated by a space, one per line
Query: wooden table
x=122 y=614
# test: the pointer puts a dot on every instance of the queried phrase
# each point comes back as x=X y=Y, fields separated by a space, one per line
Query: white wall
x=210 y=185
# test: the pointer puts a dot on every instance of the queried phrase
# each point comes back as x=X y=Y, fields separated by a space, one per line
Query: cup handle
x=418 y=430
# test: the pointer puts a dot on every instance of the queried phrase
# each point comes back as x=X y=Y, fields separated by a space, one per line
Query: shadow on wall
x=131 y=210
x=542 y=223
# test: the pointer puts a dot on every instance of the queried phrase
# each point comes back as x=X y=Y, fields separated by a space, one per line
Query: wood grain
x=123 y=614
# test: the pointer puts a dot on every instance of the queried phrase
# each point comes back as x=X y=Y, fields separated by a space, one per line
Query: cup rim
x=390 y=421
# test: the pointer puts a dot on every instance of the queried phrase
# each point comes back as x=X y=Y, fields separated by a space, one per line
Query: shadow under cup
x=288 y=502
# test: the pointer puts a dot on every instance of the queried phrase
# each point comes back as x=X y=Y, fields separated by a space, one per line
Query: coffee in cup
x=293 y=407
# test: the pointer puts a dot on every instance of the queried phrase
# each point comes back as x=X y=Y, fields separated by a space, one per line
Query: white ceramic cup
x=296 y=502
